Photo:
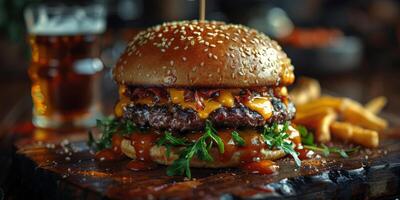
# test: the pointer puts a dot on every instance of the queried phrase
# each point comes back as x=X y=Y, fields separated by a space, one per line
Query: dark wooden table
x=32 y=167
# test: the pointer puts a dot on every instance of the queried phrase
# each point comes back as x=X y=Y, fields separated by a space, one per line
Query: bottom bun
x=233 y=156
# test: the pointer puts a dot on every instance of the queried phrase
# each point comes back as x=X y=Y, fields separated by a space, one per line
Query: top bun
x=203 y=54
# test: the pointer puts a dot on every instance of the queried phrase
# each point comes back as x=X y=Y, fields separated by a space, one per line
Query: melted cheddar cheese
x=119 y=107
x=261 y=105
x=226 y=99
x=177 y=97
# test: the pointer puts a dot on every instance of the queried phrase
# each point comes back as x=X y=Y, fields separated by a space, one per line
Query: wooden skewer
x=202 y=10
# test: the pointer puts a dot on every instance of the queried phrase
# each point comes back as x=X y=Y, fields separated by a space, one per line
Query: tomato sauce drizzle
x=108 y=155
x=250 y=155
x=261 y=167
x=142 y=142
x=136 y=165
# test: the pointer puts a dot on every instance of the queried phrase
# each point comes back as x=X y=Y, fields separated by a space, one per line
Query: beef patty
x=174 y=118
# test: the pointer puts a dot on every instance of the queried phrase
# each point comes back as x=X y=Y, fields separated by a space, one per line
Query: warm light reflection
x=41 y=134
x=38 y=98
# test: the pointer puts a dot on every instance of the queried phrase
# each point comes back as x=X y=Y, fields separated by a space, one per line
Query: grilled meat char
x=174 y=118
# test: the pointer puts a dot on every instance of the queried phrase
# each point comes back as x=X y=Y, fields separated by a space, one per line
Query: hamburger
x=202 y=94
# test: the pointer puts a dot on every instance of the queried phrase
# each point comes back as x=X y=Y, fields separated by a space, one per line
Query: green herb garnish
x=275 y=136
x=169 y=140
x=108 y=127
x=237 y=139
x=307 y=139
x=326 y=151
x=200 y=149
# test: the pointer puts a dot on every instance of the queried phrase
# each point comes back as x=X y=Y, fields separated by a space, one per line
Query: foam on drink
x=65 y=20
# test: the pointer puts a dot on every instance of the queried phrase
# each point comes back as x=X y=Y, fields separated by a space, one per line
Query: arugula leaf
x=276 y=137
x=307 y=139
x=326 y=151
x=91 y=141
x=212 y=133
x=169 y=140
x=237 y=139
x=108 y=127
x=199 y=149
x=181 y=165
x=127 y=128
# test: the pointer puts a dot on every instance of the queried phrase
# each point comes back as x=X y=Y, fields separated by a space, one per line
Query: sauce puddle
x=262 y=167
x=108 y=155
x=136 y=165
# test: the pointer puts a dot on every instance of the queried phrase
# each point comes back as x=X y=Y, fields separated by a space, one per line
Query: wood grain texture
x=67 y=170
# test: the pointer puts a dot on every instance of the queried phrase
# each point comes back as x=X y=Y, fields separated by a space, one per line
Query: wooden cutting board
x=56 y=168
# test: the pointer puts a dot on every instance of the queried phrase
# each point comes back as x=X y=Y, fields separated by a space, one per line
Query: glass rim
x=55 y=8
x=36 y=11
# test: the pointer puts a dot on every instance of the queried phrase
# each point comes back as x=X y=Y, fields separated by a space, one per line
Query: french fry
x=322 y=132
x=356 y=134
x=312 y=115
x=376 y=104
x=354 y=113
x=306 y=90
x=322 y=102
x=319 y=120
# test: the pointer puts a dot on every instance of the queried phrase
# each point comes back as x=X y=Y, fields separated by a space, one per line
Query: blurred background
x=352 y=47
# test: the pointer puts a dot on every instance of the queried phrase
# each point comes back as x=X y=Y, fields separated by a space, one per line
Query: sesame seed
x=171 y=62
x=202 y=64
x=212 y=45
x=215 y=57
x=211 y=34
x=205 y=50
x=220 y=42
x=210 y=55
x=243 y=40
x=163 y=50
x=184 y=58
x=186 y=47
x=176 y=48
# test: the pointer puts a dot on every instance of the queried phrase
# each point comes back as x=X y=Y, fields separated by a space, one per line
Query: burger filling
x=200 y=128
x=187 y=110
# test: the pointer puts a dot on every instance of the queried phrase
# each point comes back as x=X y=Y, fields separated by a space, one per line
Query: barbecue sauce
x=142 y=142
x=261 y=167
x=136 y=165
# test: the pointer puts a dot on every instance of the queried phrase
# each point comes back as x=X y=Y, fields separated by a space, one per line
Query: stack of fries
x=342 y=118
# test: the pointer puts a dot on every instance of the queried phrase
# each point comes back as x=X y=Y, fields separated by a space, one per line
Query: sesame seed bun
x=203 y=54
